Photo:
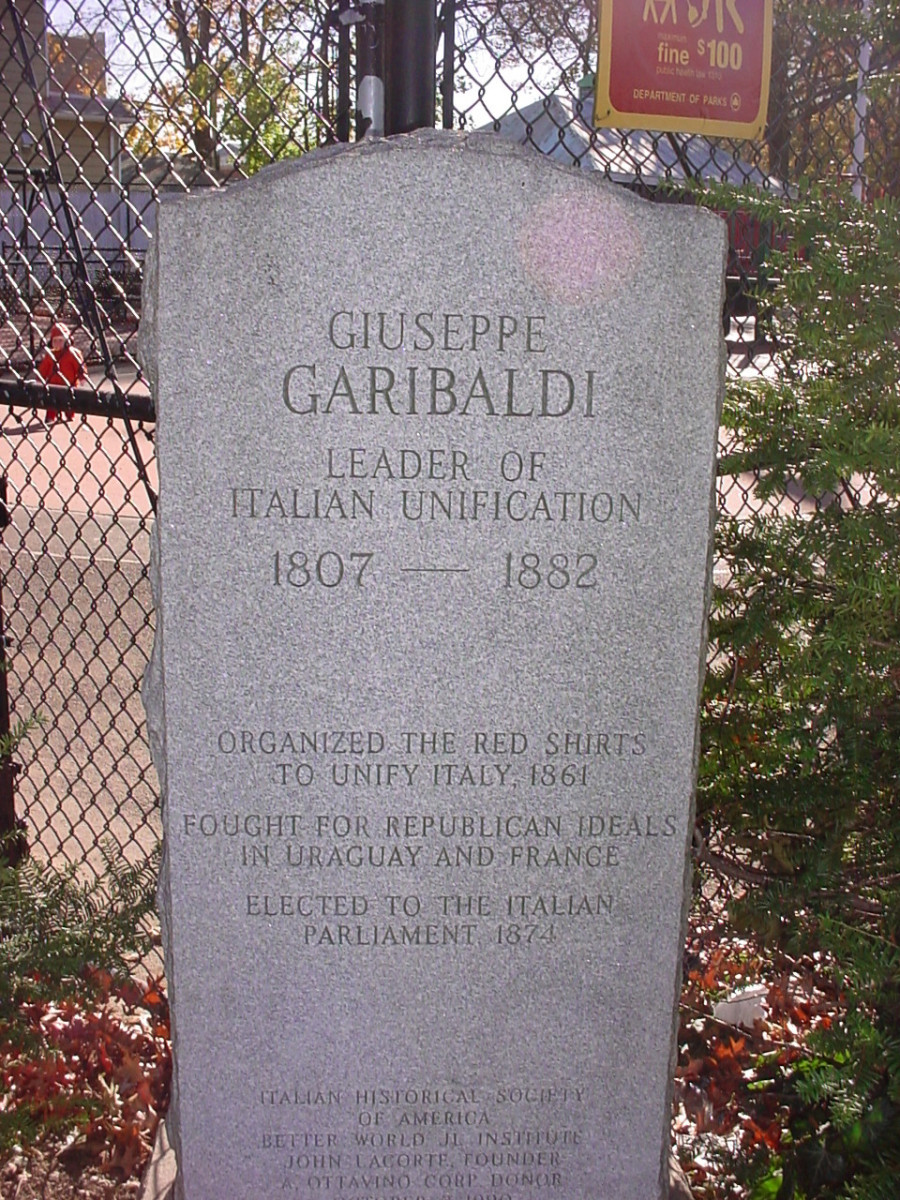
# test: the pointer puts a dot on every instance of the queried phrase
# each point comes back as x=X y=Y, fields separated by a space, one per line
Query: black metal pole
x=370 y=70
x=409 y=65
x=342 y=118
x=12 y=839
x=448 y=24
x=91 y=401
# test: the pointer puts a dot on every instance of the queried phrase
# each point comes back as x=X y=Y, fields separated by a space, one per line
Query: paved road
x=73 y=565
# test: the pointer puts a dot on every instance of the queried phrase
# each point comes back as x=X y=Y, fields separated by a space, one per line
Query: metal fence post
x=448 y=28
x=13 y=845
x=342 y=115
x=370 y=70
x=409 y=65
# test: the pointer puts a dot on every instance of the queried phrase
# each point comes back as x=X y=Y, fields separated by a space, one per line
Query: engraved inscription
x=411 y=1140
x=298 y=864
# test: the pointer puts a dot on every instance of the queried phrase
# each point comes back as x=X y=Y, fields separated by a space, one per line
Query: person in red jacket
x=62 y=366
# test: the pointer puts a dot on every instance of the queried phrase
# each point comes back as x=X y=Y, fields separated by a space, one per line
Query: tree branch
x=757 y=876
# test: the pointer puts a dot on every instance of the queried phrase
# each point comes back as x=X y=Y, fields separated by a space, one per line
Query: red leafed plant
x=99 y=1074
x=84 y=1049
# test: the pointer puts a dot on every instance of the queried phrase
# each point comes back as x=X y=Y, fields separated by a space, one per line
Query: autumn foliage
x=84 y=1050
x=96 y=1075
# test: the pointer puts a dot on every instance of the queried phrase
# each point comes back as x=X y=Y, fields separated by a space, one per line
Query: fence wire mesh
x=107 y=104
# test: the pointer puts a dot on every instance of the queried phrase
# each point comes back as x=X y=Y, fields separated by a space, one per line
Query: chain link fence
x=107 y=104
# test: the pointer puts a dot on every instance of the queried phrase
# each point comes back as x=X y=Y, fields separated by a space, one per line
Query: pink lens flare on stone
x=579 y=250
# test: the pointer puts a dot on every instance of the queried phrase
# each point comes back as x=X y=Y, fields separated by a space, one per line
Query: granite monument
x=437 y=425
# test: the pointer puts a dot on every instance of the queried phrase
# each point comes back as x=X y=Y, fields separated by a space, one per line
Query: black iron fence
x=107 y=104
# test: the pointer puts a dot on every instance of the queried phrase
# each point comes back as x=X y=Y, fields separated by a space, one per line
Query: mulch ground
x=41 y=1175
